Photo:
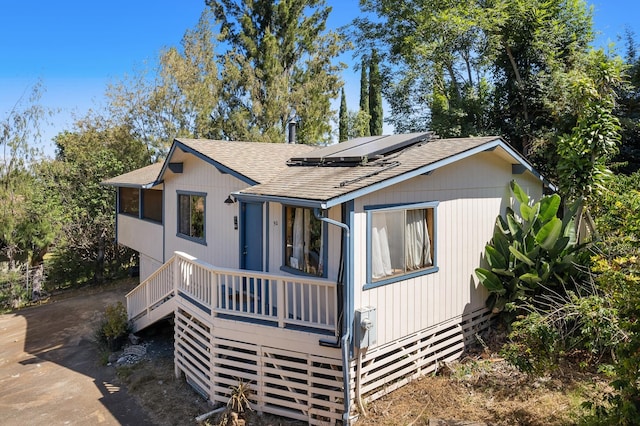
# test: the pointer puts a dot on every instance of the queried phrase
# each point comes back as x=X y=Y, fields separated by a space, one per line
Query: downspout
x=346 y=320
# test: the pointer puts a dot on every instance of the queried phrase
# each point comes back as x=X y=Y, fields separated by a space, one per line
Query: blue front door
x=251 y=236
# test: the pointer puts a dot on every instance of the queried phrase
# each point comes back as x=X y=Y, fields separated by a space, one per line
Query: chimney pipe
x=292 y=131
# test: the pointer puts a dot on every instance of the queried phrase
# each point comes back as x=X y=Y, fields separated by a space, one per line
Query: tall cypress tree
x=364 y=91
x=280 y=58
x=343 y=125
x=364 y=86
x=375 y=95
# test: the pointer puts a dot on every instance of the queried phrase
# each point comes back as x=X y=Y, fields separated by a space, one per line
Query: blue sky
x=77 y=47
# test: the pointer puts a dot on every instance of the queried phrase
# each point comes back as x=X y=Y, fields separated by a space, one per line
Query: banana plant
x=529 y=252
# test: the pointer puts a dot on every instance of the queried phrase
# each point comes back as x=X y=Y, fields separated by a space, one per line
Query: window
x=401 y=242
x=304 y=243
x=152 y=205
x=129 y=201
x=191 y=216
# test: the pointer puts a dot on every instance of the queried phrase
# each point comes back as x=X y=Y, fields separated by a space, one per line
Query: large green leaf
x=495 y=259
x=525 y=212
x=530 y=278
x=549 y=207
x=514 y=226
x=490 y=281
x=501 y=243
x=503 y=272
x=519 y=193
x=521 y=256
x=560 y=246
x=501 y=226
x=548 y=235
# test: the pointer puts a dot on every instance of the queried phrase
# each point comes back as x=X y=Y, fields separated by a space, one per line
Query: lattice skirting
x=305 y=386
x=388 y=367
x=293 y=384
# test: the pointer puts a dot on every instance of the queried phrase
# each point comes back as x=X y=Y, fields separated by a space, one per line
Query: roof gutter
x=291 y=201
x=347 y=289
x=131 y=185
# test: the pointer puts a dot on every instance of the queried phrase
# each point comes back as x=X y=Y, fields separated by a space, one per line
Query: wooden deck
x=264 y=329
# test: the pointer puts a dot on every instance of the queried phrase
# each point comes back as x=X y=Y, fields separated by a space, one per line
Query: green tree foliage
x=528 y=254
x=177 y=99
x=477 y=67
x=95 y=151
x=628 y=109
x=364 y=86
x=375 y=95
x=357 y=124
x=279 y=62
x=584 y=154
x=28 y=209
x=343 y=118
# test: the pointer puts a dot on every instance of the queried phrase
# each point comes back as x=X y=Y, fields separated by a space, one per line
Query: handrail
x=283 y=301
x=288 y=300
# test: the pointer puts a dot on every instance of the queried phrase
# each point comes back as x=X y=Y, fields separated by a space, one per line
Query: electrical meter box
x=365 y=327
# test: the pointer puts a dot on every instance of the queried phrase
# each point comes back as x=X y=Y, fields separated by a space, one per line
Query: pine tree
x=343 y=126
x=280 y=59
x=375 y=95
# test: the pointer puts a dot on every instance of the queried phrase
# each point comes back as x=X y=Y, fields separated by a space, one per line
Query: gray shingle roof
x=136 y=178
x=258 y=161
x=320 y=183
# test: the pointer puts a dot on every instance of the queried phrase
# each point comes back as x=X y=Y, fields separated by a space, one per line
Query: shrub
x=114 y=327
x=528 y=254
x=580 y=327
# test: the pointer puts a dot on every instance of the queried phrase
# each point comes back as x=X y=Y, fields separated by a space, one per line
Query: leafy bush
x=583 y=328
x=534 y=345
x=114 y=327
x=13 y=293
x=616 y=265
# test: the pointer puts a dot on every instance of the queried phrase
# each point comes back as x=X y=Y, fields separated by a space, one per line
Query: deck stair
x=154 y=298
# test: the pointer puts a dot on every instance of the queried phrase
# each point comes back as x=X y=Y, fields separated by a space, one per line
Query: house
x=325 y=277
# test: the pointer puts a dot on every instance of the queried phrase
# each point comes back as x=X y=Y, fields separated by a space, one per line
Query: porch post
x=176 y=278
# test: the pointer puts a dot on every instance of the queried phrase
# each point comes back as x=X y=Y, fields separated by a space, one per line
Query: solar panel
x=364 y=148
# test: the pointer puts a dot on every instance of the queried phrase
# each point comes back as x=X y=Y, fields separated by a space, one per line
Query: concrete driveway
x=49 y=371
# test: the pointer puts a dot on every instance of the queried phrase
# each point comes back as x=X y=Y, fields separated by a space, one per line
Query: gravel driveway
x=49 y=371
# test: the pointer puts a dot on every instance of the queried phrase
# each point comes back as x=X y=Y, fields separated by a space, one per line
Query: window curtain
x=380 y=253
x=417 y=243
x=298 y=239
x=307 y=239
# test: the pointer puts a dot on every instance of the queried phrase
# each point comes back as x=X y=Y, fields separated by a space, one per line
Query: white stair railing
x=285 y=301
x=153 y=292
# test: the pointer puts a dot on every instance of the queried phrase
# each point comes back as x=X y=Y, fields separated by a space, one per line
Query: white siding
x=142 y=236
x=148 y=266
x=471 y=193
x=222 y=240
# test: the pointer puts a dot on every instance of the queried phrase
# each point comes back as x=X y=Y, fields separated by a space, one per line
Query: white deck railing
x=283 y=301
x=156 y=290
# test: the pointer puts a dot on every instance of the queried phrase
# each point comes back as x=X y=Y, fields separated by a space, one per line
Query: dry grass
x=481 y=388
x=486 y=391
x=168 y=401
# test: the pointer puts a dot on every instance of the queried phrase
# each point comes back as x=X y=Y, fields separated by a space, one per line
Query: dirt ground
x=49 y=370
